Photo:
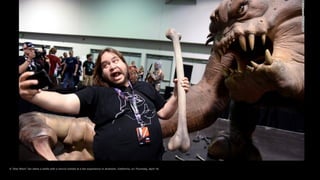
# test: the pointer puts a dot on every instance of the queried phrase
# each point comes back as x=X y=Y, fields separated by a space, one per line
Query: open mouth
x=247 y=51
x=116 y=74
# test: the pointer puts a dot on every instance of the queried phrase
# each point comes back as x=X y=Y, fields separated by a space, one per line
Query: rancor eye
x=243 y=8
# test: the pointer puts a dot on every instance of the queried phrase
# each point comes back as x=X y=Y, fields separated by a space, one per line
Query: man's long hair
x=98 y=79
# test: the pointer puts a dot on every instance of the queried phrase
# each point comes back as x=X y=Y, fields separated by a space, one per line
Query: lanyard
x=133 y=104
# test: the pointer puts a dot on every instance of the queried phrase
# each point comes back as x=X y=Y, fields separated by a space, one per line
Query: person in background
x=69 y=71
x=63 y=63
x=88 y=67
x=42 y=53
x=140 y=73
x=55 y=63
x=126 y=114
x=32 y=59
x=24 y=62
x=79 y=73
x=156 y=76
x=133 y=74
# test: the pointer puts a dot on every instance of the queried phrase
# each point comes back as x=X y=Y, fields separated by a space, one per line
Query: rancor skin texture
x=257 y=48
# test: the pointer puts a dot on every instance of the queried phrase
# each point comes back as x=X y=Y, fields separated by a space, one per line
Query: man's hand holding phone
x=43 y=80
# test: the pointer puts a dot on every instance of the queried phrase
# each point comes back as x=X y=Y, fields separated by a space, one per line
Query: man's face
x=114 y=69
x=29 y=51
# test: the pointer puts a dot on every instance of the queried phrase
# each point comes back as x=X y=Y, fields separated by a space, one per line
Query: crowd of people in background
x=154 y=77
x=65 y=71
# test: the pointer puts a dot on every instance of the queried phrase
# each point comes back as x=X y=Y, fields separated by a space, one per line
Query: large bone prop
x=180 y=140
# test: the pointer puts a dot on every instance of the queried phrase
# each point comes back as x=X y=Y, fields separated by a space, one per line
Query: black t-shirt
x=116 y=136
x=71 y=64
x=89 y=66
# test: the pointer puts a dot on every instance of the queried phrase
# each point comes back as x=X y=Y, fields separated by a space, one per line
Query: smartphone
x=43 y=80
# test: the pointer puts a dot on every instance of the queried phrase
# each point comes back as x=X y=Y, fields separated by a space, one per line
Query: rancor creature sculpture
x=257 y=50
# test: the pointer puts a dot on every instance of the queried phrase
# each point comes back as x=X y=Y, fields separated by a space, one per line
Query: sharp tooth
x=268 y=59
x=251 y=41
x=263 y=38
x=255 y=65
x=242 y=41
x=238 y=66
x=249 y=68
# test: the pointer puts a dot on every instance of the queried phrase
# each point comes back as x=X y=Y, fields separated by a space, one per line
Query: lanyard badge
x=143 y=133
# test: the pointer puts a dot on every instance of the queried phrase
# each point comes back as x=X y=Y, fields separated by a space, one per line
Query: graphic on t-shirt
x=144 y=110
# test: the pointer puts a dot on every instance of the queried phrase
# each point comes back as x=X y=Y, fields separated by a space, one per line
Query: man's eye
x=105 y=65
